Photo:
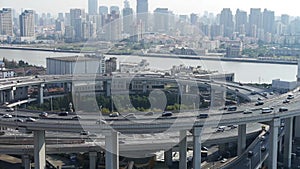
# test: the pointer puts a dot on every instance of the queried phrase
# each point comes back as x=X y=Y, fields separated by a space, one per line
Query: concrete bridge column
x=168 y=157
x=39 y=149
x=12 y=94
x=112 y=150
x=2 y=93
x=197 y=148
x=274 y=126
x=107 y=87
x=182 y=150
x=288 y=138
x=41 y=94
x=93 y=159
x=144 y=86
x=242 y=137
x=26 y=161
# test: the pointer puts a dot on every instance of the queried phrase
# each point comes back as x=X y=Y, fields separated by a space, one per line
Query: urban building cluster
x=226 y=32
x=112 y=23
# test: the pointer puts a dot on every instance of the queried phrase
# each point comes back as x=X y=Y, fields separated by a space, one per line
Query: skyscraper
x=161 y=20
x=115 y=8
x=93 y=7
x=240 y=21
x=226 y=20
x=127 y=18
x=268 y=21
x=142 y=13
x=255 y=22
x=285 y=19
x=103 y=10
x=77 y=16
x=27 y=24
x=6 y=22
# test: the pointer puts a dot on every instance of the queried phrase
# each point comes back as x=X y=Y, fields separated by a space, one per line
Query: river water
x=244 y=72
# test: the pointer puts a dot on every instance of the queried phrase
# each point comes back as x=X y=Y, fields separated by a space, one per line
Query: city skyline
x=179 y=7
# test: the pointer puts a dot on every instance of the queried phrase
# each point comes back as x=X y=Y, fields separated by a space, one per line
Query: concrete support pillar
x=41 y=94
x=39 y=150
x=274 y=126
x=112 y=150
x=242 y=137
x=197 y=148
x=144 y=83
x=107 y=86
x=168 y=157
x=12 y=94
x=2 y=93
x=93 y=159
x=182 y=150
x=280 y=144
x=288 y=138
x=26 y=161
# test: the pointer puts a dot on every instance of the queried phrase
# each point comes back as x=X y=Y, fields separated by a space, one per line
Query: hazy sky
x=178 y=6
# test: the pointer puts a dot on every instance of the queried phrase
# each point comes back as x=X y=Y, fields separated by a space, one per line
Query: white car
x=7 y=116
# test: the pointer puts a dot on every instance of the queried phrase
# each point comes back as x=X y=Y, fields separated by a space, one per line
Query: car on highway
x=114 y=114
x=266 y=110
x=290 y=96
x=285 y=101
x=224 y=160
x=259 y=103
x=43 y=114
x=282 y=109
x=247 y=112
x=232 y=108
x=250 y=154
x=63 y=113
x=263 y=148
x=19 y=120
x=7 y=116
x=232 y=126
x=85 y=133
x=166 y=114
x=221 y=128
x=203 y=116
x=10 y=109
x=30 y=119
x=203 y=148
x=76 y=117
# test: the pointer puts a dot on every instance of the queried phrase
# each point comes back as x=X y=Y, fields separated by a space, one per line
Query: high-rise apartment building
x=142 y=13
x=268 y=21
x=103 y=10
x=193 y=18
x=115 y=8
x=93 y=7
x=6 y=22
x=161 y=20
x=255 y=22
x=77 y=17
x=285 y=19
x=127 y=18
x=226 y=20
x=27 y=24
x=240 y=21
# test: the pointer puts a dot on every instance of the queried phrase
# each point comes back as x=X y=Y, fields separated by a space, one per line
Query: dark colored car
x=166 y=114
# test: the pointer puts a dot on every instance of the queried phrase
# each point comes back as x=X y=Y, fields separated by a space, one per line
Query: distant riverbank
x=193 y=57
x=39 y=49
